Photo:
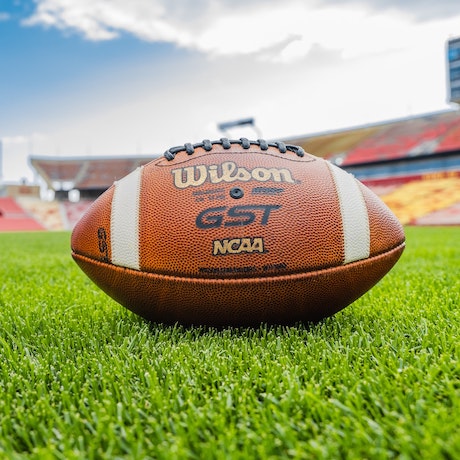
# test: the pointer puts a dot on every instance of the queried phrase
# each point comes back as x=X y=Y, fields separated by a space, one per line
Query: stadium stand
x=446 y=216
x=48 y=213
x=450 y=141
x=335 y=145
x=422 y=197
x=401 y=139
x=73 y=211
x=13 y=218
x=90 y=175
x=103 y=172
x=427 y=134
x=412 y=163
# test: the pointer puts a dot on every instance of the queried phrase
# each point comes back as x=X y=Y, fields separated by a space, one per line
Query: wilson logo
x=238 y=246
x=194 y=176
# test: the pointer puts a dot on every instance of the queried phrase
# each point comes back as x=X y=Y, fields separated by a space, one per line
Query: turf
x=80 y=377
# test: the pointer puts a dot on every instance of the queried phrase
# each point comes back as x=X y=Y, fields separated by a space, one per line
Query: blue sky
x=48 y=72
x=119 y=77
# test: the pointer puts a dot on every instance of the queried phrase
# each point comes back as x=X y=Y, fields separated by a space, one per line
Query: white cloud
x=14 y=140
x=296 y=66
x=4 y=16
x=15 y=152
x=281 y=31
x=21 y=139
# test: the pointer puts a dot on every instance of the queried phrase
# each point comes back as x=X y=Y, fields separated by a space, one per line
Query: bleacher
x=91 y=176
x=444 y=216
x=335 y=145
x=414 y=136
x=48 y=213
x=102 y=173
x=450 y=141
x=29 y=214
x=73 y=211
x=401 y=139
x=423 y=200
x=13 y=218
x=85 y=173
x=412 y=164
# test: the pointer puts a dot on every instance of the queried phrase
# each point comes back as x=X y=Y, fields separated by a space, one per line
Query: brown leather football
x=237 y=233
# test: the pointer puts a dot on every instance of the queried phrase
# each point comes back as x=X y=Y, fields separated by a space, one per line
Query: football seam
x=277 y=278
x=226 y=144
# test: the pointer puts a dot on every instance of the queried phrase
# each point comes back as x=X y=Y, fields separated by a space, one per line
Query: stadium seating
x=363 y=151
x=73 y=211
x=25 y=214
x=416 y=199
x=413 y=136
x=404 y=139
x=85 y=173
x=446 y=216
x=383 y=189
x=14 y=218
x=104 y=172
x=417 y=202
x=335 y=144
x=45 y=212
x=451 y=141
x=57 y=171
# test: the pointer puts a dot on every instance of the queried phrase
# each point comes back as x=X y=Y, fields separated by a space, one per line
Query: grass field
x=80 y=377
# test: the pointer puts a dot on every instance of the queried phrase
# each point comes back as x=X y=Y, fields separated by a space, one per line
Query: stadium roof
x=408 y=137
x=85 y=173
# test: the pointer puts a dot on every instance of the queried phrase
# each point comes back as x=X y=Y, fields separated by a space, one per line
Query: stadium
x=413 y=164
x=83 y=378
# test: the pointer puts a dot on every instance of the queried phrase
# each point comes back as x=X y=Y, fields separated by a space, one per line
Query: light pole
x=225 y=126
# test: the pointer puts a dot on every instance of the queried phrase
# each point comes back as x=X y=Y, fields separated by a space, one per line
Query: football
x=237 y=233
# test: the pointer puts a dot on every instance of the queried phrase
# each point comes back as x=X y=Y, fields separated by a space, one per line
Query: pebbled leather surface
x=243 y=302
x=235 y=237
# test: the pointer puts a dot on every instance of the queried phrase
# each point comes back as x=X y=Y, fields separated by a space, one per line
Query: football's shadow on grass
x=341 y=324
x=237 y=331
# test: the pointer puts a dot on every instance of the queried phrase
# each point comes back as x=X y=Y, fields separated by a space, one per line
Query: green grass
x=81 y=377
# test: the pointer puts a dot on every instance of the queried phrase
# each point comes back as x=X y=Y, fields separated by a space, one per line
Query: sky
x=135 y=77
